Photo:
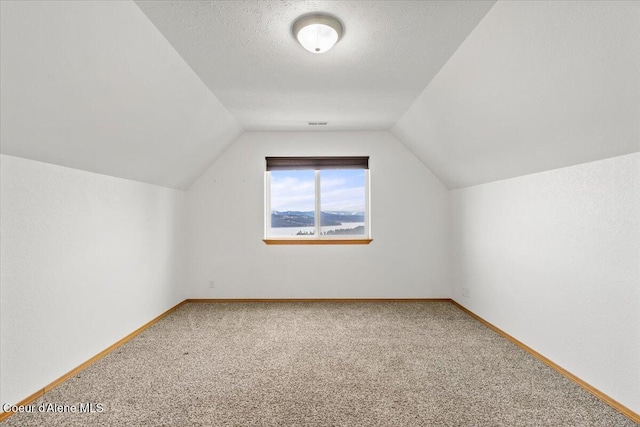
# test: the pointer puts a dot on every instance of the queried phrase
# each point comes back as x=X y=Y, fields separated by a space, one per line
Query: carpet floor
x=321 y=364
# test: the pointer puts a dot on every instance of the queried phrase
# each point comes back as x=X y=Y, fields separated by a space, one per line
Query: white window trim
x=316 y=237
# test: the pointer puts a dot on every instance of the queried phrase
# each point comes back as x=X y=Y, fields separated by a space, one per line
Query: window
x=317 y=200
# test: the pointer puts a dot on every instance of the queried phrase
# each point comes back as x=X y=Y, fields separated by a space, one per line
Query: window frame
x=317 y=164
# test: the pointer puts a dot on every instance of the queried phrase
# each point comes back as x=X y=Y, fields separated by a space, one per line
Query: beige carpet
x=322 y=364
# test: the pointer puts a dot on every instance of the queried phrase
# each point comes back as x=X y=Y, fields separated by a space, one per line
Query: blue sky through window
x=293 y=190
x=342 y=190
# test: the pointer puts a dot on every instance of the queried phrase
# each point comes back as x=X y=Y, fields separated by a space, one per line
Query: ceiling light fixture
x=317 y=33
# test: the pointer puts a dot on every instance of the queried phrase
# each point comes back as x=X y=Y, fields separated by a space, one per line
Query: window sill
x=317 y=241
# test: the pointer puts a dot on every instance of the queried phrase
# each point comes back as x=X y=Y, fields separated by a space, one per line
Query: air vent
x=317 y=123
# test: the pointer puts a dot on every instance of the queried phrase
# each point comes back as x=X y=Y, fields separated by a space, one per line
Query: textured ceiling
x=95 y=86
x=154 y=91
x=536 y=86
x=245 y=53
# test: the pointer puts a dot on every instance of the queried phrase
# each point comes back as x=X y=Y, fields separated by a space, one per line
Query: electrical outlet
x=212 y=284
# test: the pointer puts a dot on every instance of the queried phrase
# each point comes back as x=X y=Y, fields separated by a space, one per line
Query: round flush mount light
x=317 y=33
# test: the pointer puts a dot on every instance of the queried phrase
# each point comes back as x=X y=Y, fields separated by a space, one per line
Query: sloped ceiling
x=94 y=86
x=155 y=91
x=536 y=86
x=247 y=55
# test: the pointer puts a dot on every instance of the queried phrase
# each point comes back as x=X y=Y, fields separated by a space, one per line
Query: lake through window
x=317 y=198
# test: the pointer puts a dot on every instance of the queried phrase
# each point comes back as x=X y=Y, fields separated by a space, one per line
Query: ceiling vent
x=317 y=123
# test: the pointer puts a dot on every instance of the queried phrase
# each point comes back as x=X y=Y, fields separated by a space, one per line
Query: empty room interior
x=205 y=213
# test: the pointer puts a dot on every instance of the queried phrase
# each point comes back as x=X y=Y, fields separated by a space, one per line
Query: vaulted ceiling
x=155 y=90
x=246 y=54
x=536 y=86
x=95 y=86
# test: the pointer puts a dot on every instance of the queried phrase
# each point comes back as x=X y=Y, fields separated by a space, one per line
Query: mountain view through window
x=340 y=195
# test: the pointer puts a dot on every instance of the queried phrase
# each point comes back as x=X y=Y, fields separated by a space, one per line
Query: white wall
x=85 y=260
x=409 y=255
x=553 y=259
